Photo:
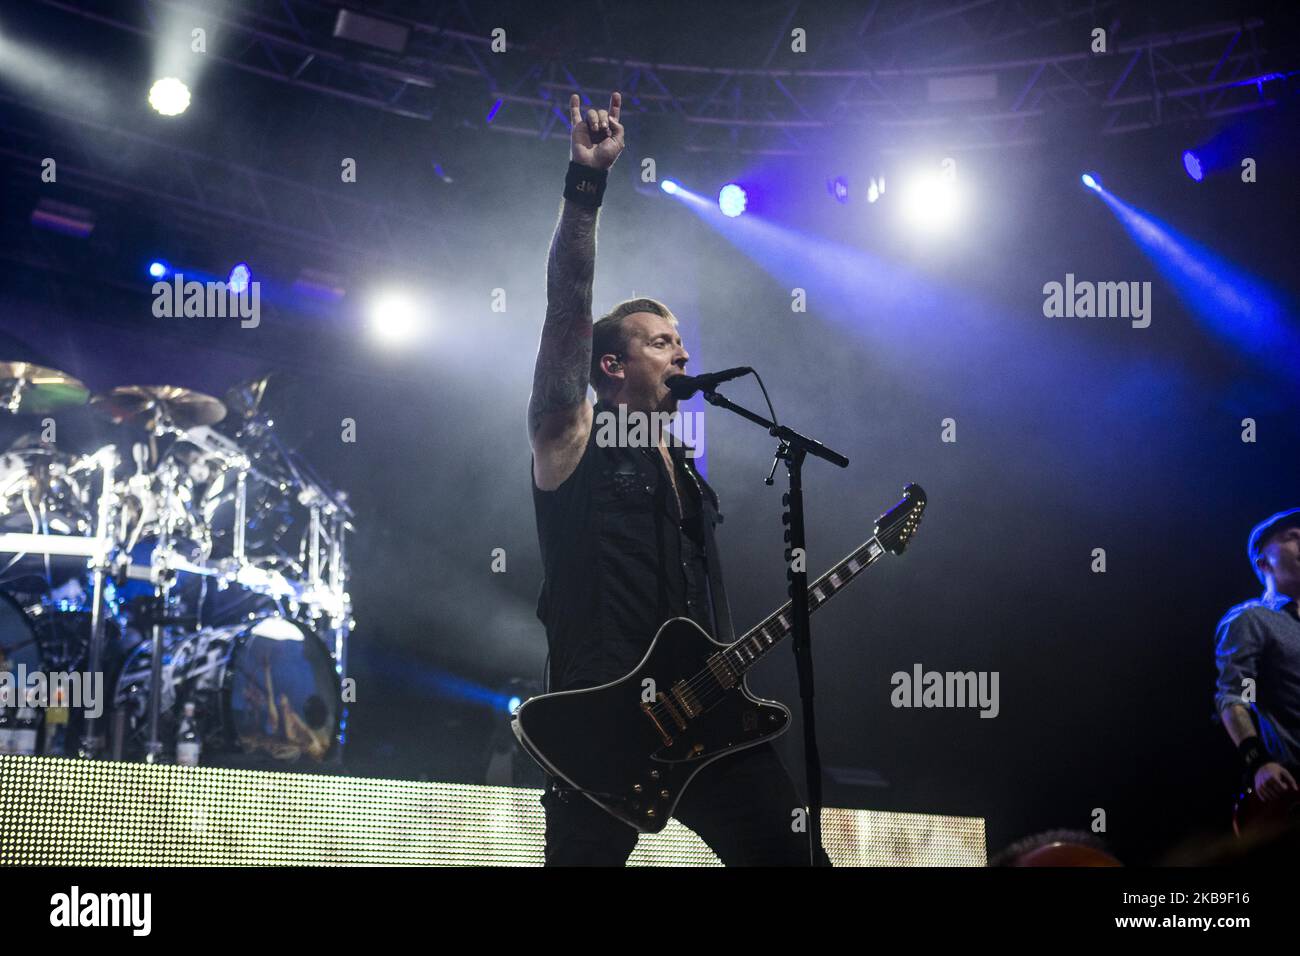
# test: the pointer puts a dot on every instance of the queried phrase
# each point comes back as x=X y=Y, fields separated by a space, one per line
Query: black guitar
x=633 y=745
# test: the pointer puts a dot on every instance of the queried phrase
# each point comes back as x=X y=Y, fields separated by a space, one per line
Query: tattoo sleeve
x=564 y=355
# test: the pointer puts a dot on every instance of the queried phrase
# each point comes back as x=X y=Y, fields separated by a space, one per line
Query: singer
x=627 y=534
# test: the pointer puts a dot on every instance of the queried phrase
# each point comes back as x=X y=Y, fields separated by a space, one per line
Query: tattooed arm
x=559 y=416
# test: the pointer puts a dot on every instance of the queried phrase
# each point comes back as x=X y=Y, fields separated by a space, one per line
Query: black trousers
x=742 y=805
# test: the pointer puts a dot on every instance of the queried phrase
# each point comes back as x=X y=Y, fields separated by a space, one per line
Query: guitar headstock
x=897 y=525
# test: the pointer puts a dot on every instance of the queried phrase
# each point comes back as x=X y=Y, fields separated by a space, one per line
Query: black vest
x=620 y=559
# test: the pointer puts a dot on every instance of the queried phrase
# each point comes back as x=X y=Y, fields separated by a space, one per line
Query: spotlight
x=875 y=189
x=731 y=200
x=239 y=277
x=394 y=317
x=931 y=201
x=839 y=189
x=1192 y=163
x=669 y=186
x=169 y=96
x=513 y=704
x=1091 y=181
x=158 y=269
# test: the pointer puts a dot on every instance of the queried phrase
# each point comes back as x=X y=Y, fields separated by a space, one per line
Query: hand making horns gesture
x=598 y=139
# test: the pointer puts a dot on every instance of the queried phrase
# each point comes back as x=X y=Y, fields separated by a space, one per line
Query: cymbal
x=245 y=399
x=144 y=404
x=27 y=389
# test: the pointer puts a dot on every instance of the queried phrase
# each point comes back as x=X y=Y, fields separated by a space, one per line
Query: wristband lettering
x=584 y=185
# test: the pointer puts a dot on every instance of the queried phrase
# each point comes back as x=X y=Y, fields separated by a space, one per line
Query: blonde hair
x=609 y=337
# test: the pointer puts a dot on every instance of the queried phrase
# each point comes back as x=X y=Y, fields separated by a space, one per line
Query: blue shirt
x=1260 y=639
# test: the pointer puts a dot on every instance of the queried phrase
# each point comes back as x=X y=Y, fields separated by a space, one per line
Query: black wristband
x=584 y=185
x=1252 y=753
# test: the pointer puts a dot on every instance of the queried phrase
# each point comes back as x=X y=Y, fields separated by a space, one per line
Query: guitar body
x=632 y=746
x=632 y=758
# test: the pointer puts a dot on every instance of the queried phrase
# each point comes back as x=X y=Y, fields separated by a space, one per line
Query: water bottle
x=56 y=724
x=6 y=721
x=25 y=727
x=188 y=746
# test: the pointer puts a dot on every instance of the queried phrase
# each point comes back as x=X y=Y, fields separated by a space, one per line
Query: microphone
x=684 y=386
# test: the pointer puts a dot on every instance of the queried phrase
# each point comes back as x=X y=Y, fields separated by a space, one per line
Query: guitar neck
x=750 y=649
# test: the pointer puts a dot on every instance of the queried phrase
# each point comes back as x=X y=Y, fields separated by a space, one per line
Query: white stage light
x=931 y=201
x=394 y=317
x=169 y=96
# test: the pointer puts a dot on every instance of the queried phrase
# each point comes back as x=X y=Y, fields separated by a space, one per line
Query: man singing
x=627 y=529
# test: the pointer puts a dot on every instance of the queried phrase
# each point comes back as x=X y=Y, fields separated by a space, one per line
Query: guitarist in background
x=626 y=533
x=1260 y=641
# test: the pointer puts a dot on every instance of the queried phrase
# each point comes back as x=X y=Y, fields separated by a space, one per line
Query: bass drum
x=53 y=638
x=261 y=690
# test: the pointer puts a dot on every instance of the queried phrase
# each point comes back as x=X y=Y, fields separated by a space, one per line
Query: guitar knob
x=663 y=794
x=651 y=812
x=654 y=774
x=636 y=788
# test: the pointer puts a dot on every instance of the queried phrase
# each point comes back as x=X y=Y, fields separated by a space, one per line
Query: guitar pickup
x=686 y=697
x=722 y=672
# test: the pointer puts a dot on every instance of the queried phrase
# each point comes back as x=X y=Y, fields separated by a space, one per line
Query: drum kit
x=194 y=559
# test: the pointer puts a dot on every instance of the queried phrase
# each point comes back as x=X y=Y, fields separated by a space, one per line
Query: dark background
x=1073 y=434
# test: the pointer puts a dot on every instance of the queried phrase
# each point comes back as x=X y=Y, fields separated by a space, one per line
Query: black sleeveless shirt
x=619 y=559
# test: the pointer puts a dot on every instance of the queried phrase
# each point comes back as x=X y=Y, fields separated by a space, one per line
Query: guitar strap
x=723 y=628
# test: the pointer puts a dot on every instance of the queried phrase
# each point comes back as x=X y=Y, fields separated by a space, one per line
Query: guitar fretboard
x=731 y=664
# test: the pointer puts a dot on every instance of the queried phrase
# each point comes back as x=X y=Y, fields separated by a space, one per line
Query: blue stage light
x=158 y=269
x=1228 y=300
x=668 y=186
x=1192 y=163
x=239 y=277
x=1091 y=181
x=732 y=200
x=513 y=704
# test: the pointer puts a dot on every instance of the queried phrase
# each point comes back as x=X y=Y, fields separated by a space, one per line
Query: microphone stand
x=793 y=448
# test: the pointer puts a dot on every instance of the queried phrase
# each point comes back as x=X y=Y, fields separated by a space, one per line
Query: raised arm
x=559 y=416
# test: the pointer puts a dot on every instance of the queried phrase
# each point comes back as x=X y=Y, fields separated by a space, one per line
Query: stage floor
x=64 y=812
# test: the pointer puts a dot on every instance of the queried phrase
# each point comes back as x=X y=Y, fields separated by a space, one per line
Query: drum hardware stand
x=335 y=607
x=162 y=577
x=15 y=387
x=91 y=744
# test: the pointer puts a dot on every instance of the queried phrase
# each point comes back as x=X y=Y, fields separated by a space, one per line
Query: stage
x=65 y=812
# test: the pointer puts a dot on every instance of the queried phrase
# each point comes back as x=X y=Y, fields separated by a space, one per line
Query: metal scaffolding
x=886 y=74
